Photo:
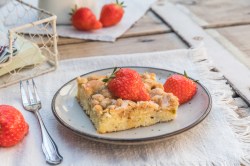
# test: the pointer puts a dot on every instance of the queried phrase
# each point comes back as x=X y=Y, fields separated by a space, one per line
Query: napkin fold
x=223 y=138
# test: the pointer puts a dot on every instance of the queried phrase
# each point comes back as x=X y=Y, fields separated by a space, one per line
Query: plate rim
x=132 y=141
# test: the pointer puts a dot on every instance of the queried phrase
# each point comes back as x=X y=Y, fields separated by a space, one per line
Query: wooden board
x=237 y=74
x=236 y=40
x=140 y=44
x=214 y=13
x=238 y=35
x=147 y=25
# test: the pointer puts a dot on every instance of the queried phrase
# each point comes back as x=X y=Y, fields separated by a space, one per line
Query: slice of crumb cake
x=110 y=114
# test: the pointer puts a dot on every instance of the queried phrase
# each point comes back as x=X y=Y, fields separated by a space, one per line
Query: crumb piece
x=105 y=92
x=98 y=97
x=105 y=102
x=94 y=77
x=81 y=80
x=98 y=108
x=156 y=91
x=94 y=102
x=119 y=102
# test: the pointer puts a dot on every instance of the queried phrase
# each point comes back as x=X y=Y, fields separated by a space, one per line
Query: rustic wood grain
x=236 y=40
x=150 y=43
x=238 y=35
x=214 y=13
x=147 y=25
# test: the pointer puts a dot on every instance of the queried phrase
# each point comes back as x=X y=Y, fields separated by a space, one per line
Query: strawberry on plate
x=127 y=84
x=84 y=19
x=181 y=86
x=13 y=127
x=112 y=14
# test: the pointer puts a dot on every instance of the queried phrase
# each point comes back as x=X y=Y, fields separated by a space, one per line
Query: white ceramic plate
x=69 y=113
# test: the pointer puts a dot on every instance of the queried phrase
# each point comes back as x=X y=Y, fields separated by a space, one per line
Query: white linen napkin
x=221 y=139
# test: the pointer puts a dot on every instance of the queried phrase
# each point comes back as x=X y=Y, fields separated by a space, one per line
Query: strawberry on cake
x=125 y=100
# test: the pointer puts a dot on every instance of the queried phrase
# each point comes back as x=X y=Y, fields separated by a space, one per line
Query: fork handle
x=49 y=147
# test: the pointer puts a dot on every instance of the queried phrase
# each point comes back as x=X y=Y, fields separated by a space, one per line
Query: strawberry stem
x=120 y=4
x=185 y=75
x=73 y=10
x=111 y=76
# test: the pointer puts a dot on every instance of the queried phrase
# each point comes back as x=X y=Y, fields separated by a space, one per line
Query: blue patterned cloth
x=4 y=45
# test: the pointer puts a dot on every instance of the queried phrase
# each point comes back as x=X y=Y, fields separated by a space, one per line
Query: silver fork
x=31 y=102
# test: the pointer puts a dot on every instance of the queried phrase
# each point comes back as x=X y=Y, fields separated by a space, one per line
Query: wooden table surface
x=228 y=21
x=149 y=30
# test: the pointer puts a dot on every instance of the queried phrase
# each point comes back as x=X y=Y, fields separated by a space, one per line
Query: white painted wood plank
x=243 y=57
x=239 y=102
x=236 y=73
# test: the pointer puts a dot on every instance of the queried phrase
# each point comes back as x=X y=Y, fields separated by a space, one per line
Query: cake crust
x=110 y=114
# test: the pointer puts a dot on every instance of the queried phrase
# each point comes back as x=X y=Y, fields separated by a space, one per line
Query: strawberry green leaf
x=120 y=4
x=105 y=80
x=73 y=10
x=111 y=76
x=185 y=74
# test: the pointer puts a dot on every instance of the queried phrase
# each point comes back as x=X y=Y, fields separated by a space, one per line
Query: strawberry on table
x=181 y=86
x=112 y=14
x=127 y=84
x=84 y=19
x=13 y=127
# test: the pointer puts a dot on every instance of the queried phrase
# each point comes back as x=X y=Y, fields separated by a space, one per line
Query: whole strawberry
x=13 y=127
x=84 y=19
x=127 y=84
x=181 y=86
x=111 y=14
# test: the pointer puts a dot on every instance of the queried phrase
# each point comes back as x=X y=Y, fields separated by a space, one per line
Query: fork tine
x=24 y=95
x=32 y=100
x=35 y=91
